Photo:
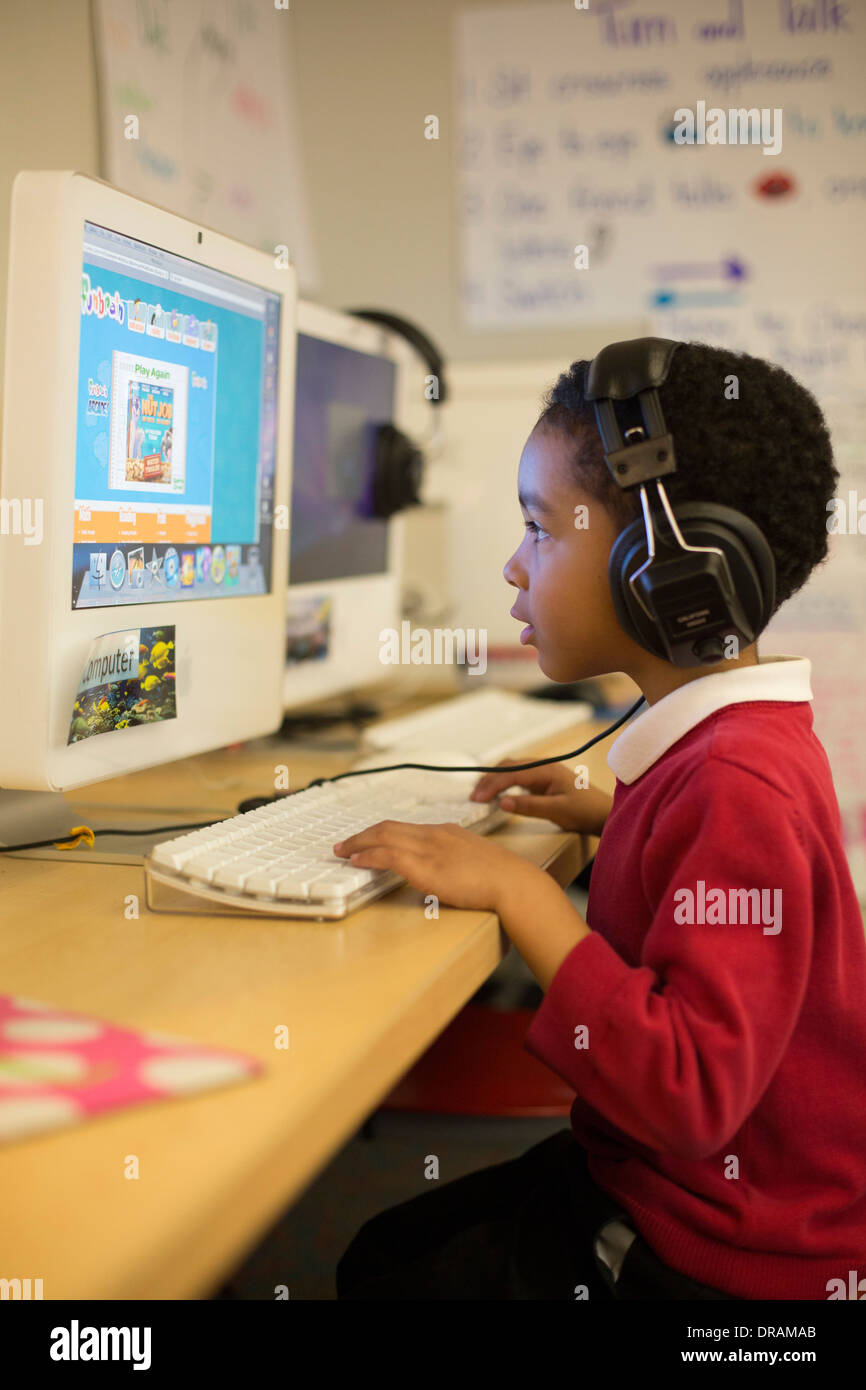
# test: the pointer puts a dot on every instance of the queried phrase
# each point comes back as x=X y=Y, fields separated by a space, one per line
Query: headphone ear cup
x=750 y=561
x=627 y=555
x=397 y=472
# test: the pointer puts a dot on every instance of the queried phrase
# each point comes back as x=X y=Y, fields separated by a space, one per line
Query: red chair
x=478 y=1066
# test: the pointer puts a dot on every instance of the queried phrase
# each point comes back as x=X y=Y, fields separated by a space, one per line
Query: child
x=718 y=1142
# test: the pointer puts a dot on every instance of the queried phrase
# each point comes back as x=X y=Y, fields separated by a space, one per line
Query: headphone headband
x=637 y=446
x=417 y=338
x=621 y=370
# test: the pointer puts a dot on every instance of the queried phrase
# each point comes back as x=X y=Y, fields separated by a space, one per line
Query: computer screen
x=342 y=396
x=175 y=430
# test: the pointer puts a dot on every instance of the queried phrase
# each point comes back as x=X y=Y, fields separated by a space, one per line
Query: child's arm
x=540 y=920
x=463 y=869
x=677 y=1049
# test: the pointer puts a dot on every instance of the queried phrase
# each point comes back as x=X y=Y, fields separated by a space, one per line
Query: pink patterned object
x=57 y=1068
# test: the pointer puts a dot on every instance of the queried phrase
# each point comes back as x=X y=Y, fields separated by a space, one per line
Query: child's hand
x=460 y=867
x=553 y=796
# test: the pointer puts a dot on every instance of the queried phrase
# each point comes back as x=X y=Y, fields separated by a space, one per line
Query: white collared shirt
x=658 y=728
x=613 y=1243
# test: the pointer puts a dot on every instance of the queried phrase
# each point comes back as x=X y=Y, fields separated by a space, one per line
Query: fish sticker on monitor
x=128 y=679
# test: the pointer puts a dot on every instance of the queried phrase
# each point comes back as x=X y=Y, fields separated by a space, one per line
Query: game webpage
x=176 y=428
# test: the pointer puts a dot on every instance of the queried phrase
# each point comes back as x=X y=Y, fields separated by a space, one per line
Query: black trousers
x=524 y=1229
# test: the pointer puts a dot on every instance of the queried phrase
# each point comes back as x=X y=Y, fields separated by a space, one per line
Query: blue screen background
x=230 y=431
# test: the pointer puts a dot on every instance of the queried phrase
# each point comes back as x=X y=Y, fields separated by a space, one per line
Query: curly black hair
x=767 y=453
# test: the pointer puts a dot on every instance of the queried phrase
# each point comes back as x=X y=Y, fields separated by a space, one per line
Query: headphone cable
x=83 y=833
x=508 y=767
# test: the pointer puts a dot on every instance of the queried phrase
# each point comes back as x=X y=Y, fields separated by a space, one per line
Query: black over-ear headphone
x=399 y=465
x=683 y=583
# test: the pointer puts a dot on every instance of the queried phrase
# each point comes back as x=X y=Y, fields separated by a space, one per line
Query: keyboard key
x=298 y=885
x=206 y=865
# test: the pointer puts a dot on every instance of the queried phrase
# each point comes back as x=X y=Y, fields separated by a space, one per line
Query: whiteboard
x=564 y=138
x=197 y=110
x=822 y=343
x=493 y=406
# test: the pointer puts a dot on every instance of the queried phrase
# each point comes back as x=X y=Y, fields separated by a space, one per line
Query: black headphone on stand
x=683 y=583
x=398 y=465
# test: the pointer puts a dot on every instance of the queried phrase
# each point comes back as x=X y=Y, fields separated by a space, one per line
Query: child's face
x=560 y=568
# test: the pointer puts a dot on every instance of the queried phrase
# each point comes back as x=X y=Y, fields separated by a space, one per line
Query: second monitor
x=352 y=381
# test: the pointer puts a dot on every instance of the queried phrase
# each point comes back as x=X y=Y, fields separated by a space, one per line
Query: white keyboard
x=484 y=724
x=279 y=859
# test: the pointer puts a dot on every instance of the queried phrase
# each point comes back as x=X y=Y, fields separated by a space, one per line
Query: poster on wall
x=822 y=343
x=616 y=159
x=198 y=115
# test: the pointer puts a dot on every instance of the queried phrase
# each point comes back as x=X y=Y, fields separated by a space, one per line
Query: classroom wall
x=48 y=111
x=381 y=196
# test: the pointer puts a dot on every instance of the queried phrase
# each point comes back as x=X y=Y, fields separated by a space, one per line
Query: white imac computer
x=146 y=451
x=352 y=378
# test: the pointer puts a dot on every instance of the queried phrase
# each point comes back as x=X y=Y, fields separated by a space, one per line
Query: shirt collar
x=657 y=728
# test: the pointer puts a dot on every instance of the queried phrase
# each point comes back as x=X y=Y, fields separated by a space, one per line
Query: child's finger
x=486 y=790
x=384 y=832
x=382 y=857
x=501 y=770
x=494 y=782
x=543 y=806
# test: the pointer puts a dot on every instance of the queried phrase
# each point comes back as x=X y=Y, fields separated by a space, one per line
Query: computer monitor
x=345 y=562
x=148 y=399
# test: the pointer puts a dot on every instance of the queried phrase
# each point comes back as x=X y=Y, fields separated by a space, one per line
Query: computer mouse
x=253 y=803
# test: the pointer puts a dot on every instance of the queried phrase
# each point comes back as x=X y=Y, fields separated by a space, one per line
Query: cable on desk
x=508 y=767
x=83 y=832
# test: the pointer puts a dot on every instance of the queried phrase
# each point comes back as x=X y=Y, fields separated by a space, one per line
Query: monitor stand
x=28 y=816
